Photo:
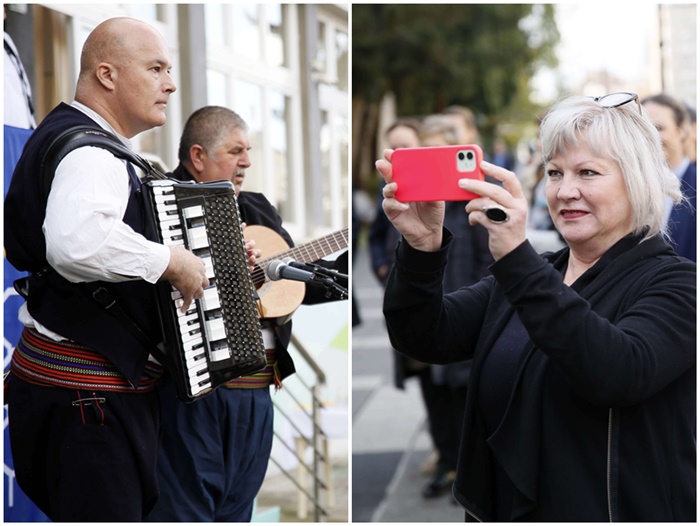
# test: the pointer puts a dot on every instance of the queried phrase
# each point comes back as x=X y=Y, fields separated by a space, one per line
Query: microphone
x=301 y=266
x=310 y=267
x=277 y=270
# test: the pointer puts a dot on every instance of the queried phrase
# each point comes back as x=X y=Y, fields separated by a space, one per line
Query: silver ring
x=496 y=214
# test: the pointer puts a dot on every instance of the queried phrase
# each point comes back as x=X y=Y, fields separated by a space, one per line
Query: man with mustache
x=215 y=451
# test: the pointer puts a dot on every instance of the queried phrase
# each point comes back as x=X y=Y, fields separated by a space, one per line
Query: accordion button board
x=219 y=337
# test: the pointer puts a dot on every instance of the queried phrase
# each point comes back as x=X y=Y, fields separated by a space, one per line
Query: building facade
x=282 y=67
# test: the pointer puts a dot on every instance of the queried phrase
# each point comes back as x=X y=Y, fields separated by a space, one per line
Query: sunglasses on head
x=614 y=100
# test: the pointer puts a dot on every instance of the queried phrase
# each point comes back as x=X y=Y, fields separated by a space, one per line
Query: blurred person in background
x=464 y=121
x=445 y=390
x=383 y=238
x=403 y=133
x=691 y=141
x=671 y=119
x=19 y=107
x=582 y=396
x=501 y=156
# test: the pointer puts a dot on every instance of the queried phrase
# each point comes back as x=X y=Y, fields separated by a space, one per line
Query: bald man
x=85 y=417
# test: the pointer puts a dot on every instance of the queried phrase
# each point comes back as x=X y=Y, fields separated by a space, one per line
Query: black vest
x=69 y=308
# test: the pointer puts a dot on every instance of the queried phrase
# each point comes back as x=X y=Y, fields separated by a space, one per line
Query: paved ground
x=389 y=437
x=279 y=492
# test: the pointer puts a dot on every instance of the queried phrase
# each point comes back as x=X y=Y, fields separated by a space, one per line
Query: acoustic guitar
x=281 y=298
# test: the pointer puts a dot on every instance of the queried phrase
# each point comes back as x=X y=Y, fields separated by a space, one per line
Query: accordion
x=219 y=337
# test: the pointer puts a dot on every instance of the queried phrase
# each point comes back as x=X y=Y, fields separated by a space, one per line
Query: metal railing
x=309 y=434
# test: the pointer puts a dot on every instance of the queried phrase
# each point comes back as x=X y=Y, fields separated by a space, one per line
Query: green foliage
x=431 y=56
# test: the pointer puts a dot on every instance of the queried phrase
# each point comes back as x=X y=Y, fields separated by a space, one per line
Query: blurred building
x=676 y=55
x=283 y=67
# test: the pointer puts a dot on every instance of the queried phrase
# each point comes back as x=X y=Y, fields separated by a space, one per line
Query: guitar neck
x=316 y=249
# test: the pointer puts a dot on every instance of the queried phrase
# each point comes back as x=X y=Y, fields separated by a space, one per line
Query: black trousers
x=85 y=460
x=445 y=406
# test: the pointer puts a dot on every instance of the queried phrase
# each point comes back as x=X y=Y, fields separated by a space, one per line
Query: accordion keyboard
x=219 y=337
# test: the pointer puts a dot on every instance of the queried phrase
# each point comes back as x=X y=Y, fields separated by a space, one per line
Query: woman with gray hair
x=581 y=404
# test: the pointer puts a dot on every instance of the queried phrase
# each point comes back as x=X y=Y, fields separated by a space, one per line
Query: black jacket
x=600 y=423
x=255 y=209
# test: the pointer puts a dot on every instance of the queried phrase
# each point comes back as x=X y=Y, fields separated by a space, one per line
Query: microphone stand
x=333 y=290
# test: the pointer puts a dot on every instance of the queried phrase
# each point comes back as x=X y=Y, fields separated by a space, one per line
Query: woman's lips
x=572 y=214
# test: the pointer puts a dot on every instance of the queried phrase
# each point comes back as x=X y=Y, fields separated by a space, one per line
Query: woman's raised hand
x=419 y=223
x=504 y=236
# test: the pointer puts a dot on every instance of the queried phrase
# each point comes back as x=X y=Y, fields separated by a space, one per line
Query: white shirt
x=86 y=239
x=17 y=89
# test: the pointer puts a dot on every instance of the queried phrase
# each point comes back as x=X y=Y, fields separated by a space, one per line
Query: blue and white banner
x=18 y=507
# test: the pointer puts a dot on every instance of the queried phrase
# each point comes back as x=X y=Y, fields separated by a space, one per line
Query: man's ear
x=197 y=154
x=106 y=75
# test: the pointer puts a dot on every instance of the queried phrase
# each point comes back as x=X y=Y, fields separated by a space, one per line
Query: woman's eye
x=553 y=173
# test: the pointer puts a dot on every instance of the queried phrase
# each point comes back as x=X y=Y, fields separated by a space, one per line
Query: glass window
x=321 y=47
x=279 y=144
x=276 y=27
x=214 y=22
x=341 y=57
x=144 y=11
x=245 y=30
x=342 y=126
x=248 y=103
x=326 y=136
x=217 y=88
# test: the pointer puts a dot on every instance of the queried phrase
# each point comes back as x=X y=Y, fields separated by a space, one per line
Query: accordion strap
x=79 y=136
x=102 y=296
x=72 y=139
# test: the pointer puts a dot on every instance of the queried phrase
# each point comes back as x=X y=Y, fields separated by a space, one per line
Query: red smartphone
x=431 y=173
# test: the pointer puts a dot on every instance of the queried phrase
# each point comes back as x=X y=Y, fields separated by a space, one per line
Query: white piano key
x=194 y=363
x=199 y=368
x=164 y=199
x=187 y=336
x=165 y=215
x=173 y=221
x=170 y=234
x=192 y=353
x=193 y=345
x=185 y=320
x=196 y=389
x=173 y=242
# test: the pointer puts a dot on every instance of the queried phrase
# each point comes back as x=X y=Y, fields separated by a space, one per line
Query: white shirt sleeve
x=86 y=238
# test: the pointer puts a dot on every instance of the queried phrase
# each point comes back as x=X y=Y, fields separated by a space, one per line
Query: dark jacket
x=601 y=417
x=69 y=308
x=255 y=209
x=682 y=224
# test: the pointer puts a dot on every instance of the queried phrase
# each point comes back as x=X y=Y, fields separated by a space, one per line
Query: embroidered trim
x=40 y=360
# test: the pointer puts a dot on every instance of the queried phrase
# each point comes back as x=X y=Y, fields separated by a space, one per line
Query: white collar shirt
x=86 y=238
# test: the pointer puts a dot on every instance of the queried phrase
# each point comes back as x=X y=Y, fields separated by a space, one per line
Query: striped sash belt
x=267 y=376
x=43 y=361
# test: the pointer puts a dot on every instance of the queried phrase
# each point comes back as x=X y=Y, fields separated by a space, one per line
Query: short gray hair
x=625 y=136
x=208 y=127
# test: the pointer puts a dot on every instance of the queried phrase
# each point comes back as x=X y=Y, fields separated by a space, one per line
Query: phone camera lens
x=461 y=156
x=470 y=155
